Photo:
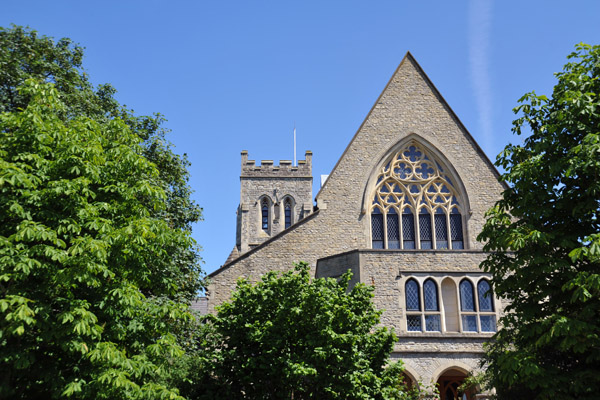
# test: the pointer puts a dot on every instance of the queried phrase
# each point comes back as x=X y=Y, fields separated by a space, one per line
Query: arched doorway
x=448 y=384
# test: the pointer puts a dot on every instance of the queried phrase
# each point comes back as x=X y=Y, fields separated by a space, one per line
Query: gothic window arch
x=477 y=307
x=288 y=212
x=422 y=307
x=416 y=203
x=265 y=214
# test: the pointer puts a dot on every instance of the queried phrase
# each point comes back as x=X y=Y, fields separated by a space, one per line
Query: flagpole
x=294 y=143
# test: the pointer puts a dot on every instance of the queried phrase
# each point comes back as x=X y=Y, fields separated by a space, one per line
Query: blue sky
x=236 y=75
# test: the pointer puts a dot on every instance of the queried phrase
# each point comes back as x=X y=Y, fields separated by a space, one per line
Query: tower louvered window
x=416 y=204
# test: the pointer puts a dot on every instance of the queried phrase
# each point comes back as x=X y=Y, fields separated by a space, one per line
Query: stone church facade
x=401 y=209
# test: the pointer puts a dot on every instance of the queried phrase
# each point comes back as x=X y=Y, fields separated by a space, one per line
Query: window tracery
x=416 y=204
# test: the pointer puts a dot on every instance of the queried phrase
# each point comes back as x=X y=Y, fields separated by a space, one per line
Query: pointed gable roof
x=398 y=84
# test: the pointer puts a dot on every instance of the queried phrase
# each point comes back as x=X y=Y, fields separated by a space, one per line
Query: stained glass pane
x=484 y=294
x=467 y=301
x=413 y=323
x=456 y=231
x=441 y=231
x=425 y=229
x=488 y=323
x=412 y=296
x=393 y=231
x=430 y=295
x=469 y=323
x=432 y=323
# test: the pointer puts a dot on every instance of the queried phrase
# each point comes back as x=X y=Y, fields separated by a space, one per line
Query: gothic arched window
x=287 y=212
x=416 y=204
x=264 y=212
x=413 y=303
x=467 y=306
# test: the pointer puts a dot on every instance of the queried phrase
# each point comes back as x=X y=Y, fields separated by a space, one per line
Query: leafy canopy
x=544 y=235
x=289 y=337
x=24 y=54
x=97 y=265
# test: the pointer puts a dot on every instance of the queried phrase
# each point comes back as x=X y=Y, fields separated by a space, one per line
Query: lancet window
x=264 y=212
x=416 y=204
x=449 y=305
x=287 y=212
x=477 y=316
x=428 y=315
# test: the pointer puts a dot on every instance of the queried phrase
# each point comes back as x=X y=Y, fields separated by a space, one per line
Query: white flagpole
x=294 y=144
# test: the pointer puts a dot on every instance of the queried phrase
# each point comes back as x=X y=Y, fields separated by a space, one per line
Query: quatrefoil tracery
x=414 y=179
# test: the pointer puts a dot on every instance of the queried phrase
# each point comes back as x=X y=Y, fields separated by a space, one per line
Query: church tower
x=272 y=199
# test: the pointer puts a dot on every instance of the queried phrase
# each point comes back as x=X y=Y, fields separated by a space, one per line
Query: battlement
x=284 y=169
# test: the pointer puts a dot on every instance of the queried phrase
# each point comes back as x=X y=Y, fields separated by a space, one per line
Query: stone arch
x=416 y=199
x=409 y=379
x=451 y=365
x=265 y=199
x=387 y=154
x=449 y=380
x=292 y=202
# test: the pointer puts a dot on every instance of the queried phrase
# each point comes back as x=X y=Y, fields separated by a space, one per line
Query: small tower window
x=287 y=211
x=265 y=214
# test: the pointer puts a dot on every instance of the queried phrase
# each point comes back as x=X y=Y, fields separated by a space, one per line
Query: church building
x=401 y=209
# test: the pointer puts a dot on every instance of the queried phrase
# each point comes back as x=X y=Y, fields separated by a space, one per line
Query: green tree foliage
x=544 y=239
x=288 y=337
x=78 y=232
x=97 y=265
x=24 y=54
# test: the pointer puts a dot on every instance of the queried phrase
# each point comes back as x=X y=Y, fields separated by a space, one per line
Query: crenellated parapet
x=267 y=169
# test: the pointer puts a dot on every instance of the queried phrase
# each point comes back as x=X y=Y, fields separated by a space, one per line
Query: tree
x=97 y=265
x=288 y=337
x=78 y=231
x=24 y=54
x=544 y=239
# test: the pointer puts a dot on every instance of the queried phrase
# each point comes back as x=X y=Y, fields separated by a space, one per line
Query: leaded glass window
x=413 y=323
x=467 y=298
x=456 y=230
x=475 y=311
x=430 y=295
x=432 y=323
x=377 y=229
x=393 y=230
x=265 y=214
x=425 y=229
x=441 y=230
x=287 y=213
x=414 y=183
x=408 y=229
x=412 y=296
x=484 y=292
